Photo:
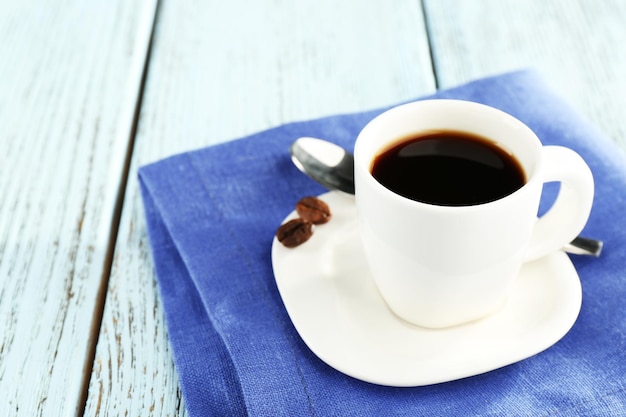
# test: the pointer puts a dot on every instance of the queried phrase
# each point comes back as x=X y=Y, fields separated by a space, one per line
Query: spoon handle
x=584 y=246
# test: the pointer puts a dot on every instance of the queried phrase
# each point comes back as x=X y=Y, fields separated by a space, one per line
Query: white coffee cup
x=438 y=266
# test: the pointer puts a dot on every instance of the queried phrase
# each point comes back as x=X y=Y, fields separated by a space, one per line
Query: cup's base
x=437 y=325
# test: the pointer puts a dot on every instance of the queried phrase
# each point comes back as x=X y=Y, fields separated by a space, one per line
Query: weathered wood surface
x=70 y=76
x=69 y=79
x=218 y=72
x=578 y=46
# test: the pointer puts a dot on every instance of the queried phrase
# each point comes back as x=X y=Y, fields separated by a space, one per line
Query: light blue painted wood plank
x=221 y=70
x=577 y=44
x=225 y=69
x=69 y=74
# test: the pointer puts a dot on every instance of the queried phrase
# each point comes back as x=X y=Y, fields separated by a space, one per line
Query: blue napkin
x=211 y=217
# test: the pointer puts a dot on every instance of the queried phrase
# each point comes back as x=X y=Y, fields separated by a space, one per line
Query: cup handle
x=570 y=211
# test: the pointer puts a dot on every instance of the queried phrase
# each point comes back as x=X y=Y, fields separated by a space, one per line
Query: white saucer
x=334 y=305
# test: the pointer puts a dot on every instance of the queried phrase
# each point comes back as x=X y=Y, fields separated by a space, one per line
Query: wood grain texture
x=221 y=70
x=578 y=45
x=69 y=74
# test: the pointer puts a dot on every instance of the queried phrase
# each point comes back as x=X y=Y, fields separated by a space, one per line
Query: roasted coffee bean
x=295 y=232
x=314 y=210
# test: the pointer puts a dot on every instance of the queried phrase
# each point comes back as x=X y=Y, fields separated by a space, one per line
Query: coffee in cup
x=448 y=168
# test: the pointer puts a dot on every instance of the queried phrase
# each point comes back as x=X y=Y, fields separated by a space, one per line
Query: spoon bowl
x=323 y=161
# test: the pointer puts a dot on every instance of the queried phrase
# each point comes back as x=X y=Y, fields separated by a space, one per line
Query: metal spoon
x=333 y=167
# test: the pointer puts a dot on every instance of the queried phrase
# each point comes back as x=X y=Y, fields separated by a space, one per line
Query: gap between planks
x=94 y=333
x=428 y=31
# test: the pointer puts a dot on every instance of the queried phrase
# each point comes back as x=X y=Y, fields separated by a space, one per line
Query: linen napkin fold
x=211 y=217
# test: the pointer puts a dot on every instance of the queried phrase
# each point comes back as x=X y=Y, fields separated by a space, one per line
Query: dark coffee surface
x=448 y=168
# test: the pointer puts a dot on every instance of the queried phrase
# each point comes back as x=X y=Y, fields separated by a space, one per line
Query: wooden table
x=91 y=90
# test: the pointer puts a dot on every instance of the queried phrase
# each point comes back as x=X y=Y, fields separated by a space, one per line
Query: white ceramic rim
x=364 y=152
